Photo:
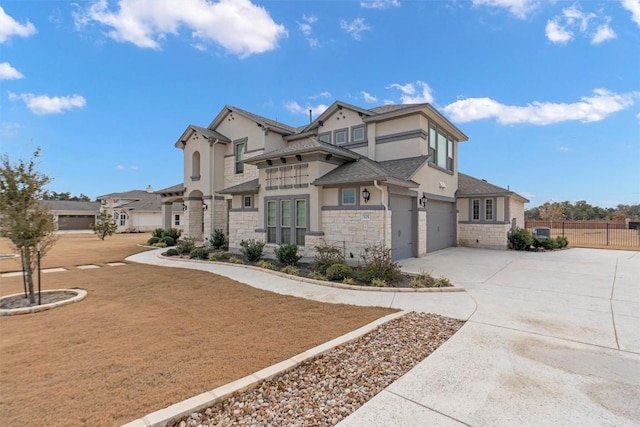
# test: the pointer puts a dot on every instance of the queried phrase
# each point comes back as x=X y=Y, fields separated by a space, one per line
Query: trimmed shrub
x=219 y=240
x=423 y=280
x=562 y=242
x=349 y=281
x=325 y=257
x=290 y=269
x=174 y=233
x=287 y=254
x=317 y=275
x=158 y=232
x=160 y=245
x=339 y=272
x=172 y=252
x=377 y=264
x=199 y=253
x=442 y=282
x=520 y=239
x=168 y=240
x=379 y=283
x=153 y=240
x=252 y=249
x=235 y=260
x=185 y=246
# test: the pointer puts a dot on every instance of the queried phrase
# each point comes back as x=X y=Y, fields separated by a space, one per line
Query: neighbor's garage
x=75 y=222
x=441 y=225
x=402 y=235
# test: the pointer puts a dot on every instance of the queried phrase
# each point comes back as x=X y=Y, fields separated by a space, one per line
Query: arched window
x=195 y=166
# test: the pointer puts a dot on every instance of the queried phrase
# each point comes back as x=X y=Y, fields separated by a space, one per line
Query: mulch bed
x=19 y=301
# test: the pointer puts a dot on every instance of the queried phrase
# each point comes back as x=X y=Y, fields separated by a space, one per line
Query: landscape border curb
x=204 y=400
x=80 y=295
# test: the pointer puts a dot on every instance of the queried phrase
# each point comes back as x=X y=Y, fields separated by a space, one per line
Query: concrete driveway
x=554 y=340
x=551 y=338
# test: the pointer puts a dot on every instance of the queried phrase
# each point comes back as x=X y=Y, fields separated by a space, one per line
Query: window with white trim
x=176 y=219
x=349 y=196
x=247 y=202
x=123 y=219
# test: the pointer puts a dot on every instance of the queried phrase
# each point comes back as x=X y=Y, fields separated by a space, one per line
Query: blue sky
x=547 y=91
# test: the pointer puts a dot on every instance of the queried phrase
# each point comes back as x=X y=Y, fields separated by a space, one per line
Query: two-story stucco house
x=350 y=178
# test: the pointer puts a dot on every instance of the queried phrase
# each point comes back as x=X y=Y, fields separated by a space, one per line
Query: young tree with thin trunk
x=23 y=220
x=105 y=225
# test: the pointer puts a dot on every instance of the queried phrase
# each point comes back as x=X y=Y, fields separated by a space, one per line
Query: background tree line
x=53 y=195
x=581 y=211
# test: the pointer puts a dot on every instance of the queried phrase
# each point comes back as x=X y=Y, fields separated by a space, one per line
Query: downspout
x=384 y=215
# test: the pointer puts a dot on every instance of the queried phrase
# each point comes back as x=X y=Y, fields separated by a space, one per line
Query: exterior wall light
x=423 y=200
x=184 y=207
x=366 y=195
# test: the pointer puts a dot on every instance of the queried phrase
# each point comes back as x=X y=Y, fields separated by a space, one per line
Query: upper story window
x=340 y=136
x=357 y=133
x=349 y=196
x=441 y=148
x=195 y=165
x=240 y=148
x=325 y=137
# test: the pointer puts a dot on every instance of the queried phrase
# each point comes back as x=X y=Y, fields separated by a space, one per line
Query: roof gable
x=470 y=186
x=337 y=105
x=307 y=146
x=264 y=122
x=396 y=172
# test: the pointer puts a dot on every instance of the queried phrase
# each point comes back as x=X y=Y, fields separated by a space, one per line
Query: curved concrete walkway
x=551 y=338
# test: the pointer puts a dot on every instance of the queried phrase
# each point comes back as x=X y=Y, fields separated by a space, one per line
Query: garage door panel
x=441 y=225
x=75 y=222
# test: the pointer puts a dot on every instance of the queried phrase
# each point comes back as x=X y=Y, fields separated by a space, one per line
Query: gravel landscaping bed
x=323 y=391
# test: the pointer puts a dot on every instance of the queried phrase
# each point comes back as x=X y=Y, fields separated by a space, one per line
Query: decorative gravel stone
x=325 y=390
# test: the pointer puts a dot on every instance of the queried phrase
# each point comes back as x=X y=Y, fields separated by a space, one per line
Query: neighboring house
x=486 y=213
x=71 y=214
x=350 y=178
x=140 y=211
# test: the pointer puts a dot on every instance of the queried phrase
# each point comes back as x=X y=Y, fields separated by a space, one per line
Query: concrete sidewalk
x=551 y=339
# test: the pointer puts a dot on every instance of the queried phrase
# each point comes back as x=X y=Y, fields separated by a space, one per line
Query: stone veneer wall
x=348 y=230
x=422 y=234
x=242 y=228
x=491 y=236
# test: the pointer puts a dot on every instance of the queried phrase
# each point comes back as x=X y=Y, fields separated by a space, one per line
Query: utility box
x=541 y=232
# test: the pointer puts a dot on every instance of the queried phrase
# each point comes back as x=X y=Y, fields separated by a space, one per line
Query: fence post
x=607 y=234
x=563 y=229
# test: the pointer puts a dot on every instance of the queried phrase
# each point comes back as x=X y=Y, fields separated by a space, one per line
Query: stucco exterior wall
x=490 y=236
x=516 y=210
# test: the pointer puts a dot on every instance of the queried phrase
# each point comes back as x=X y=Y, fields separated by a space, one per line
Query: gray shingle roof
x=133 y=195
x=397 y=172
x=311 y=145
x=383 y=109
x=208 y=133
x=173 y=189
x=244 y=188
x=263 y=120
x=70 y=205
x=470 y=186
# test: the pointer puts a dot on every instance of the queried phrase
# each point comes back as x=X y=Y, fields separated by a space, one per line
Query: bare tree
x=24 y=221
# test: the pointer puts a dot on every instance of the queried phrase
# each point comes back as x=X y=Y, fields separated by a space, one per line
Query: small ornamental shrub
x=172 y=252
x=423 y=280
x=442 y=282
x=316 y=275
x=252 y=249
x=168 y=240
x=287 y=254
x=377 y=264
x=199 y=253
x=235 y=260
x=160 y=245
x=158 y=232
x=325 y=257
x=562 y=242
x=349 y=281
x=219 y=240
x=290 y=269
x=185 y=246
x=379 y=283
x=213 y=258
x=339 y=272
x=153 y=240
x=266 y=264
x=520 y=239
x=174 y=233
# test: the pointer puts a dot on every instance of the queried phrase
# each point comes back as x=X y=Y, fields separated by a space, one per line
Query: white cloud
x=306 y=26
x=125 y=168
x=557 y=33
x=379 y=4
x=9 y=129
x=633 y=6
x=589 y=109
x=565 y=149
x=519 y=8
x=527 y=195
x=325 y=94
x=239 y=26
x=7 y=72
x=295 y=108
x=561 y=29
x=368 y=97
x=10 y=27
x=603 y=33
x=354 y=27
x=43 y=104
x=414 y=93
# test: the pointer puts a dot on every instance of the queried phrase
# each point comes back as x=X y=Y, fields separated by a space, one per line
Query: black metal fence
x=595 y=234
